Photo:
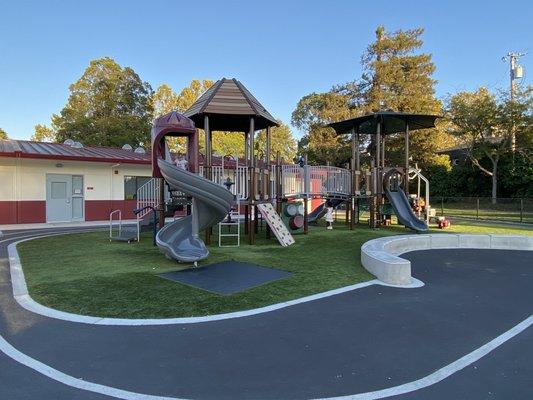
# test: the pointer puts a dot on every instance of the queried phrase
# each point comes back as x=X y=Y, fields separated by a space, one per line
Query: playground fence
x=483 y=208
x=239 y=177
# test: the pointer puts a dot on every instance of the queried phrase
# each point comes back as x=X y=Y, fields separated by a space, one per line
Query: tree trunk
x=494 y=182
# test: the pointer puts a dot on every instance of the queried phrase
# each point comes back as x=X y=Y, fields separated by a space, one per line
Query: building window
x=132 y=184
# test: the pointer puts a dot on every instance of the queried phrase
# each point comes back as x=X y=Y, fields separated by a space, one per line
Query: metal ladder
x=233 y=219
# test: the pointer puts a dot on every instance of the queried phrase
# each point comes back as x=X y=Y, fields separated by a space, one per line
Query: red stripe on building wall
x=29 y=212
x=8 y=212
x=22 y=212
x=99 y=210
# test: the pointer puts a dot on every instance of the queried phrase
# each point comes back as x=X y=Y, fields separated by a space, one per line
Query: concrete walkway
x=357 y=342
x=59 y=225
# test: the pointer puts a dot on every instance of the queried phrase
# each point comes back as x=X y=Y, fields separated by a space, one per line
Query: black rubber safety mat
x=226 y=277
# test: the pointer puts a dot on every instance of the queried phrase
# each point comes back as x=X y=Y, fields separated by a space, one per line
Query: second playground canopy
x=391 y=122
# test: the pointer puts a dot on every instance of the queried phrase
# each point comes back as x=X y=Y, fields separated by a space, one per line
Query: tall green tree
x=42 y=133
x=484 y=123
x=281 y=140
x=312 y=113
x=396 y=77
x=164 y=100
x=3 y=134
x=109 y=105
x=190 y=94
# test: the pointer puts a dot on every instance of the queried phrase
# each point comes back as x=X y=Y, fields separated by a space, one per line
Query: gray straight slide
x=211 y=203
x=320 y=211
x=403 y=210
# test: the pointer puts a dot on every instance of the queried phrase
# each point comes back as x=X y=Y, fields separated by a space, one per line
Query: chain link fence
x=483 y=208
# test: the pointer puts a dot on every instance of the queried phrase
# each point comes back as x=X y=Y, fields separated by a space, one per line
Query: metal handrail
x=417 y=173
x=153 y=210
x=111 y=223
x=148 y=195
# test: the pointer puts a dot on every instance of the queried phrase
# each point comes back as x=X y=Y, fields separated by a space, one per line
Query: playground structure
x=385 y=182
x=220 y=194
x=210 y=203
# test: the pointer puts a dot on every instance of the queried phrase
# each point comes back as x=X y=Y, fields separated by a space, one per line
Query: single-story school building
x=68 y=182
x=52 y=182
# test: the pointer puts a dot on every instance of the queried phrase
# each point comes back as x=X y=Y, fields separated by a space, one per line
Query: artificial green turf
x=86 y=274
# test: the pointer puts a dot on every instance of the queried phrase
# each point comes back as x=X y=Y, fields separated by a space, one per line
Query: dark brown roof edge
x=250 y=102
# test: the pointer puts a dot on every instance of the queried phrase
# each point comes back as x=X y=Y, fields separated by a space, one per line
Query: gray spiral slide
x=403 y=210
x=211 y=203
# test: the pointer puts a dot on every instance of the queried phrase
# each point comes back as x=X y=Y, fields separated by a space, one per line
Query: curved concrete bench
x=381 y=256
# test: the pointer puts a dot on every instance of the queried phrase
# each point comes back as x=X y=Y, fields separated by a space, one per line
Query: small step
x=127 y=235
x=123 y=238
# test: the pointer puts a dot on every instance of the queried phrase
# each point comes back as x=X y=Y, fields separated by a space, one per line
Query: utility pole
x=515 y=72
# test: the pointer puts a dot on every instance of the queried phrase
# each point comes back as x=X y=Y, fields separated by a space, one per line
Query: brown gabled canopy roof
x=391 y=122
x=229 y=106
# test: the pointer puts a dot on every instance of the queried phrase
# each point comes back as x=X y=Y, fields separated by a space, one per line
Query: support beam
x=306 y=215
x=354 y=144
x=372 y=200
x=193 y=152
x=268 y=146
x=406 y=178
x=382 y=153
x=279 y=194
x=357 y=155
x=267 y=187
x=347 y=213
x=354 y=218
x=246 y=149
x=208 y=152
x=161 y=205
x=207 y=166
x=267 y=176
x=251 y=169
x=379 y=182
x=251 y=135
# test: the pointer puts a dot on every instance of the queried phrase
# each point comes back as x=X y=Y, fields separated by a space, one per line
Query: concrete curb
x=381 y=256
x=22 y=296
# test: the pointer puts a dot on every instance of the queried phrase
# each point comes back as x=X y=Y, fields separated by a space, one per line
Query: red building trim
x=34 y=211
x=99 y=210
x=22 y=212
x=8 y=212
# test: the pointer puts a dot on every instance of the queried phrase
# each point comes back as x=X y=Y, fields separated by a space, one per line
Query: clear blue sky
x=281 y=50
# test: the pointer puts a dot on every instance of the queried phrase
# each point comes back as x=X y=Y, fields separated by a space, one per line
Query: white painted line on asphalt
x=428 y=380
x=71 y=381
x=22 y=296
x=444 y=372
